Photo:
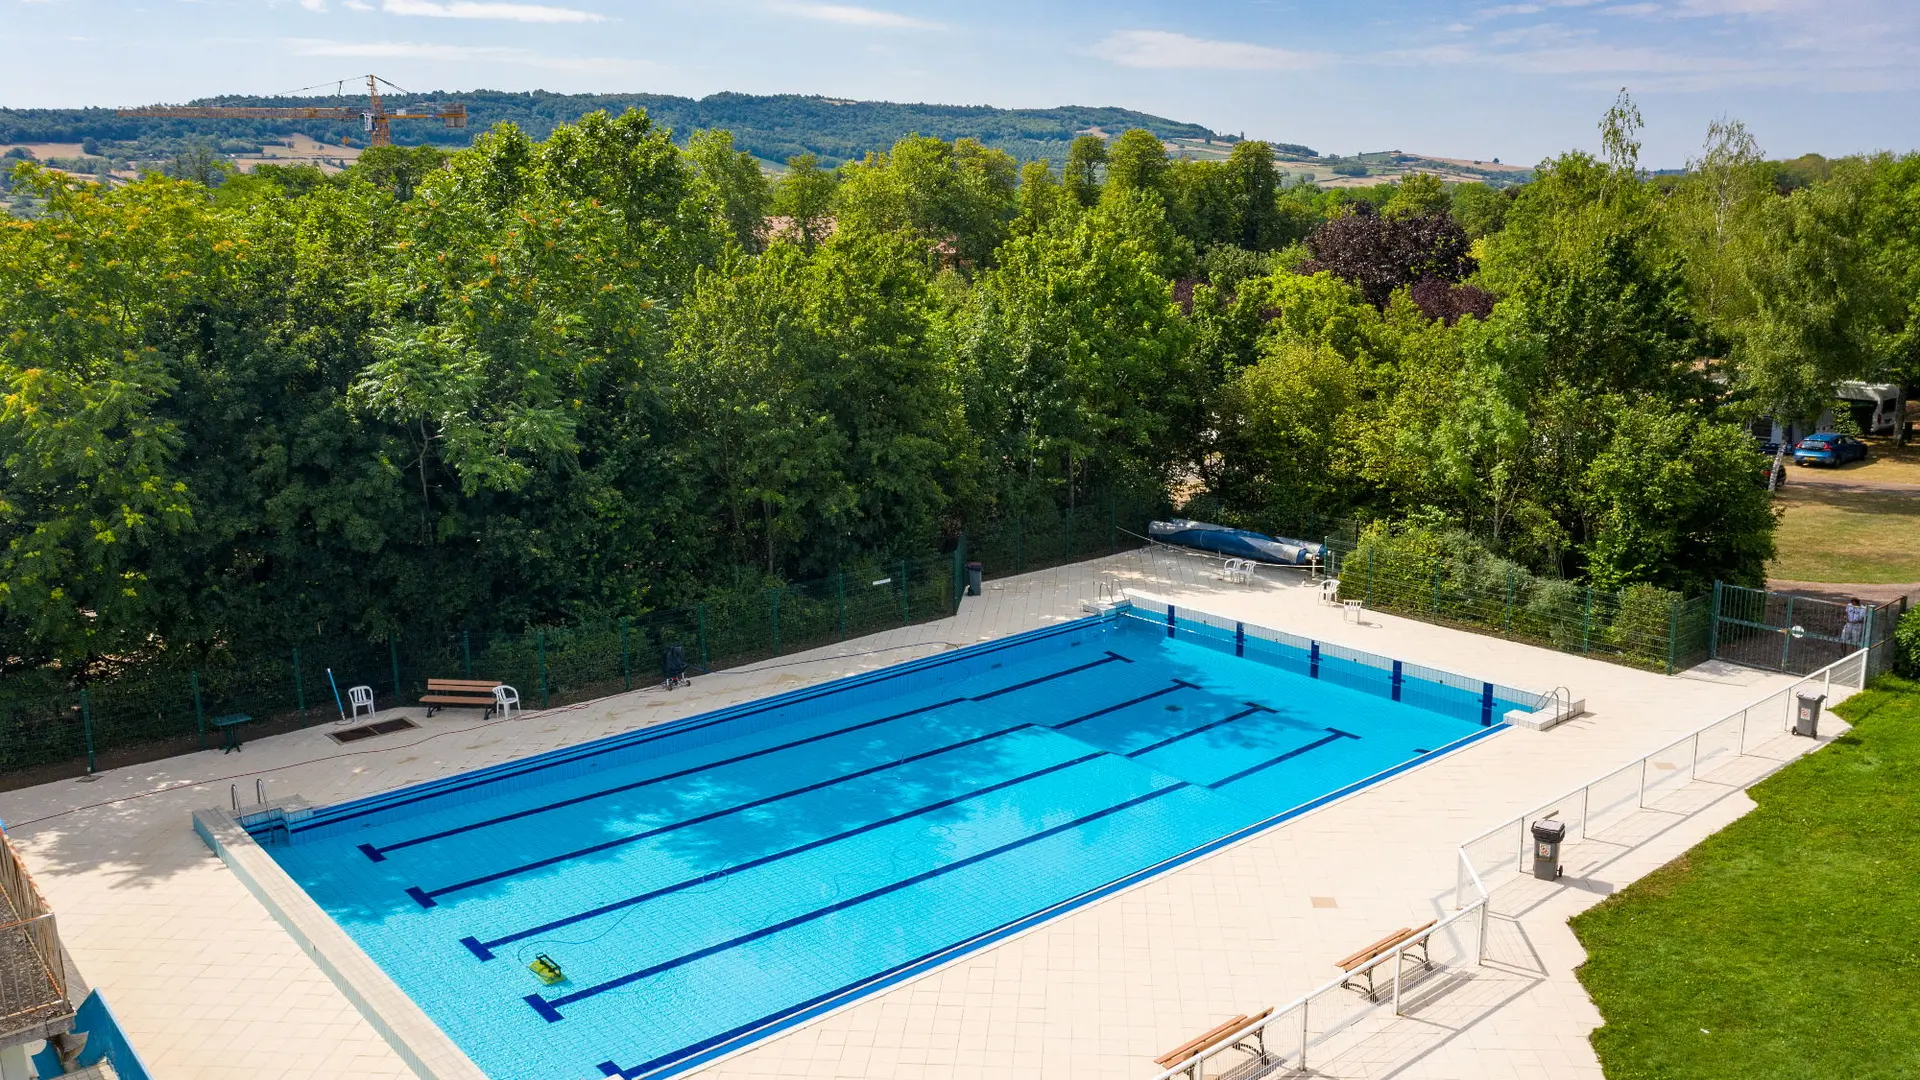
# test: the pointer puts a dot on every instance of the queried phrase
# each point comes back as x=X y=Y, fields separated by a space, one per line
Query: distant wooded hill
x=772 y=128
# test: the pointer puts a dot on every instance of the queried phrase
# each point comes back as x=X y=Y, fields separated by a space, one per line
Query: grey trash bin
x=1806 y=715
x=1547 y=838
x=974 y=571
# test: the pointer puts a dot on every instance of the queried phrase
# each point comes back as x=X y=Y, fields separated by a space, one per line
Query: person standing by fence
x=1854 y=632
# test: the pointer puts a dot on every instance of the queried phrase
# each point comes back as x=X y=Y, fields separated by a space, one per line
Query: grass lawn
x=1788 y=944
x=1847 y=536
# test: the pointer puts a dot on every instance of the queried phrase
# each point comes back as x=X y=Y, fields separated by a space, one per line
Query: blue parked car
x=1826 y=448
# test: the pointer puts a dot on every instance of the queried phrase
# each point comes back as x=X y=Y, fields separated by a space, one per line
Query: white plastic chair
x=360 y=697
x=505 y=700
x=1330 y=591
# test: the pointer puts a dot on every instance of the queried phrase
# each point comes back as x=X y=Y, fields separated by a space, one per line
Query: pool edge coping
x=398 y=1019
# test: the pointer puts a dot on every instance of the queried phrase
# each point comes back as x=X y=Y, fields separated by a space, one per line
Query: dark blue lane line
x=484 y=949
x=550 y=1008
x=707 y=1049
x=1178 y=684
x=1170 y=740
x=379 y=853
x=426 y=898
x=451 y=785
x=1107 y=659
x=1335 y=735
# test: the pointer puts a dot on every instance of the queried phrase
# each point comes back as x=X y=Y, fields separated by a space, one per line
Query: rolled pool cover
x=1238 y=543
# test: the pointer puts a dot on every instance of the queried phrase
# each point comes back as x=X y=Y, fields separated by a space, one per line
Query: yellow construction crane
x=378 y=121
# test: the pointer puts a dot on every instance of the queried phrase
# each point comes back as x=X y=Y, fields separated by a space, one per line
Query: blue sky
x=1517 y=81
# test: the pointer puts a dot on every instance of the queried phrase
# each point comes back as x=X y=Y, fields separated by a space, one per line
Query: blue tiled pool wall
x=695 y=731
x=1456 y=696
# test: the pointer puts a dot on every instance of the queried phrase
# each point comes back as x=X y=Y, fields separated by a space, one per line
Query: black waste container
x=1806 y=715
x=974 y=571
x=1547 y=837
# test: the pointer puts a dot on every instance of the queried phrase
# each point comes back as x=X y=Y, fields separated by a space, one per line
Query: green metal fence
x=166 y=702
x=1641 y=626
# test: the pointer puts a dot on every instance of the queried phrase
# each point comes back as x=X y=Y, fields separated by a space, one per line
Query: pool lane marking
x=426 y=897
x=549 y=1008
x=378 y=852
x=460 y=782
x=1252 y=708
x=1107 y=659
x=484 y=949
x=1178 y=684
x=1334 y=735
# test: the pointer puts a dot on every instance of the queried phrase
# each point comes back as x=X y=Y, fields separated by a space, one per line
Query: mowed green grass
x=1788 y=944
x=1868 y=538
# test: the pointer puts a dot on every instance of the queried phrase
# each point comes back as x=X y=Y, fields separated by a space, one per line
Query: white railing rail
x=1631 y=784
x=1295 y=1018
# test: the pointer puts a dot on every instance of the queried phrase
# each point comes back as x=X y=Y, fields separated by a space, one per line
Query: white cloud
x=849 y=15
x=1166 y=49
x=314 y=5
x=427 y=50
x=472 y=9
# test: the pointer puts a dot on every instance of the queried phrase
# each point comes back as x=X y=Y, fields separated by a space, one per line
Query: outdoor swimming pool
x=709 y=882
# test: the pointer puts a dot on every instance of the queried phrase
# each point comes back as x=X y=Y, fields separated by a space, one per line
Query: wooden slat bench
x=1233 y=1032
x=1382 y=947
x=463 y=693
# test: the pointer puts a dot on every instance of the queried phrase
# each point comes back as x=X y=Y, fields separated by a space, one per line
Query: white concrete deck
x=209 y=986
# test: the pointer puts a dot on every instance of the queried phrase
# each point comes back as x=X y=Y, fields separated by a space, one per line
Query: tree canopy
x=598 y=372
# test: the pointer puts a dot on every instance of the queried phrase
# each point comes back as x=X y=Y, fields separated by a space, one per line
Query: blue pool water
x=705 y=883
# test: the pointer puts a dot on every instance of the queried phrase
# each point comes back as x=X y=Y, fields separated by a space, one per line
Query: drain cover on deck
x=368 y=731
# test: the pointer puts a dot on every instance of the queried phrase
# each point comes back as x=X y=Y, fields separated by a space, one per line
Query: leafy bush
x=1906 y=644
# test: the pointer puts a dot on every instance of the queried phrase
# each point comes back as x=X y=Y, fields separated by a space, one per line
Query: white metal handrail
x=1584 y=793
x=1468 y=877
x=1195 y=1066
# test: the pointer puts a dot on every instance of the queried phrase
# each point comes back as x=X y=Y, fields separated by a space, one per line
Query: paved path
x=210 y=988
x=1840 y=593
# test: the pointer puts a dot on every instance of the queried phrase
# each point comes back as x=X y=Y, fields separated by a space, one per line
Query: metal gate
x=1779 y=632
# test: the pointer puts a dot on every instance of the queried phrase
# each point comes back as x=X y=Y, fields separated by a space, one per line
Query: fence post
x=299 y=691
x=1586 y=625
x=199 y=714
x=1673 y=633
x=905 y=617
x=1066 y=537
x=626 y=657
x=773 y=609
x=1369 y=576
x=1713 y=624
x=466 y=654
x=1020 y=545
x=700 y=622
x=1786 y=635
x=1509 y=619
x=86 y=726
x=1113 y=525
x=540 y=645
x=840 y=597
x=1436 y=587
x=393 y=653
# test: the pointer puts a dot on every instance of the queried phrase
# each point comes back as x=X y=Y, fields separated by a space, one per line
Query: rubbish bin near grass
x=974 y=571
x=1547 y=838
x=1806 y=715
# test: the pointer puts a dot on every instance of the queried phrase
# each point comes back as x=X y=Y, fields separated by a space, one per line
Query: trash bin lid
x=973 y=566
x=1554 y=831
x=1816 y=699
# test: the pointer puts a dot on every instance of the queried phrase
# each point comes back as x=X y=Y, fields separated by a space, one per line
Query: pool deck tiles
x=209 y=985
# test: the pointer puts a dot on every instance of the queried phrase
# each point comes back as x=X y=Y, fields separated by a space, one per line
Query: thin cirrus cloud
x=851 y=15
x=445 y=53
x=473 y=9
x=1169 y=50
